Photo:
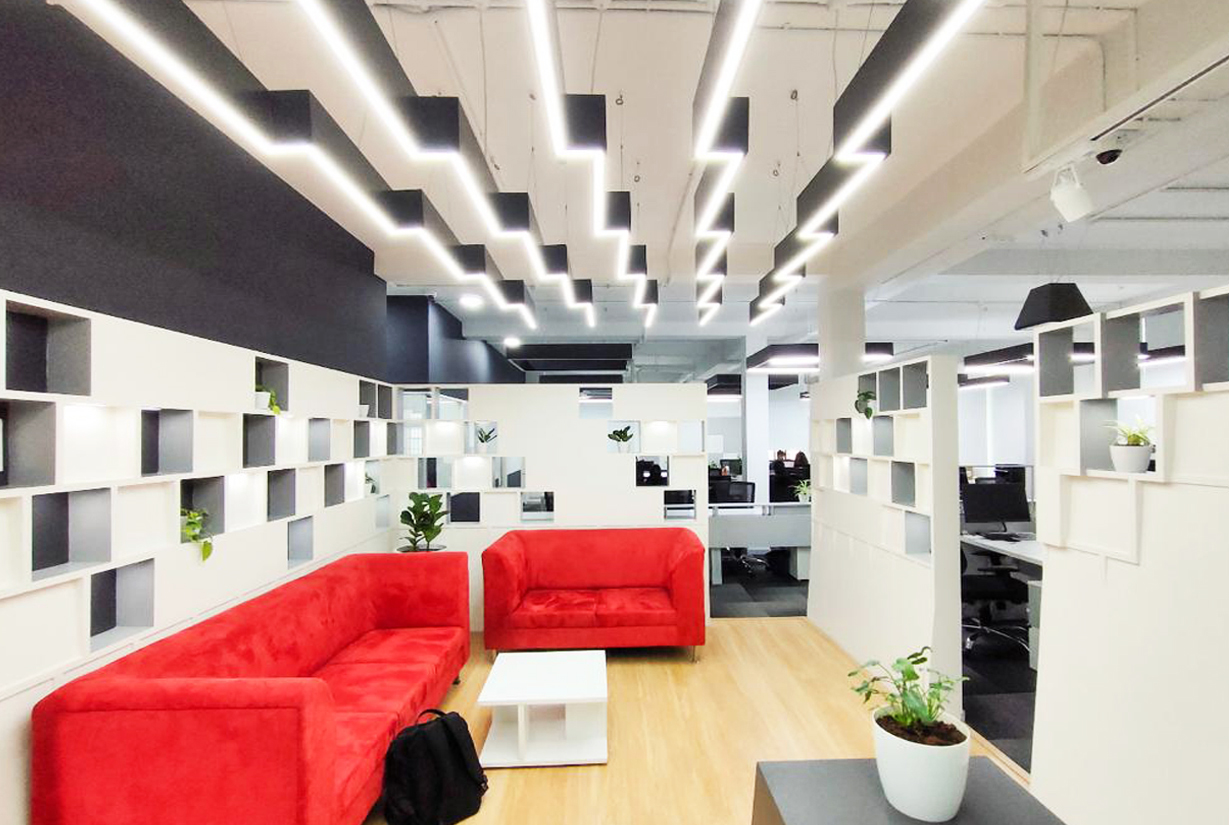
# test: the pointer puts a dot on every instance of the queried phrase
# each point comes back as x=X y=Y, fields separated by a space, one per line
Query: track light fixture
x=1069 y=196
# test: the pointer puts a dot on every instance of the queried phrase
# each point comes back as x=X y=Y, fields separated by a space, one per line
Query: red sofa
x=560 y=589
x=275 y=712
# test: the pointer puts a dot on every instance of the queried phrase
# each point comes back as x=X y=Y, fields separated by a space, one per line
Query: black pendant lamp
x=1051 y=303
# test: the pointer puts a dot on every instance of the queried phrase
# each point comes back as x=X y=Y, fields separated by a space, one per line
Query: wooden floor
x=684 y=738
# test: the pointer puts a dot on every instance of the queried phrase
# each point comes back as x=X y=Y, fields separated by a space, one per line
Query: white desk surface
x=546 y=678
x=1027 y=549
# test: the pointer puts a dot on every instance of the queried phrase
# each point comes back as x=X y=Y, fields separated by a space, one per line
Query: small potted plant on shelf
x=1131 y=451
x=363 y=411
x=266 y=399
x=862 y=404
x=485 y=438
x=192 y=530
x=423 y=521
x=622 y=437
x=803 y=490
x=921 y=751
x=372 y=486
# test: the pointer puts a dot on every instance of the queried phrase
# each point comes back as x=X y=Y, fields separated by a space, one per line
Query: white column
x=757 y=440
x=842 y=330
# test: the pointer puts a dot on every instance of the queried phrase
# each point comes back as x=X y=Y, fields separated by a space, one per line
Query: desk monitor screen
x=994 y=503
x=733 y=465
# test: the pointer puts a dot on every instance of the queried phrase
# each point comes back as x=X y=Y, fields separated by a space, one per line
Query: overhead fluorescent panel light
x=785 y=359
x=967 y=382
x=1051 y=304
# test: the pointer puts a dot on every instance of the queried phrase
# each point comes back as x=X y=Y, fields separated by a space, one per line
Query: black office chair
x=984 y=590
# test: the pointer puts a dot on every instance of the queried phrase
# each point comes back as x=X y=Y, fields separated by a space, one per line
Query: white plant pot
x=484 y=447
x=363 y=411
x=262 y=400
x=804 y=498
x=925 y=782
x=1128 y=459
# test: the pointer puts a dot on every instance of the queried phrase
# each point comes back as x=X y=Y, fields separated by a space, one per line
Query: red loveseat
x=560 y=589
x=275 y=712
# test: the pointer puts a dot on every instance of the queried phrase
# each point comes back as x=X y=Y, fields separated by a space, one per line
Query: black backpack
x=431 y=773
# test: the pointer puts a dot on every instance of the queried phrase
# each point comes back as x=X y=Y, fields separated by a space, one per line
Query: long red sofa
x=275 y=712
x=559 y=589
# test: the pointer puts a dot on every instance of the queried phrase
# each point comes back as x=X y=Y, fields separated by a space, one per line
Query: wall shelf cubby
x=415 y=439
x=434 y=473
x=507 y=472
x=276 y=376
x=121 y=603
x=652 y=471
x=464 y=508
x=334 y=484
x=319 y=439
x=46 y=351
x=889 y=390
x=452 y=403
x=166 y=442
x=69 y=531
x=1068 y=359
x=1097 y=418
x=394 y=439
x=917 y=534
x=858 y=476
x=259 y=440
x=208 y=495
x=1210 y=325
x=632 y=446
x=867 y=383
x=280 y=502
x=679 y=505
x=299 y=541
x=417 y=403
x=472 y=442
x=362 y=439
x=384 y=401
x=844 y=435
x=537 y=507
x=371 y=478
x=27 y=441
x=882 y=432
x=904 y=483
x=367 y=398
x=914 y=386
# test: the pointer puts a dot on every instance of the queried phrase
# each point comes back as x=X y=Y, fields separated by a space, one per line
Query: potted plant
x=622 y=437
x=862 y=403
x=192 y=529
x=266 y=399
x=485 y=438
x=1131 y=451
x=803 y=490
x=372 y=486
x=423 y=521
x=363 y=411
x=921 y=751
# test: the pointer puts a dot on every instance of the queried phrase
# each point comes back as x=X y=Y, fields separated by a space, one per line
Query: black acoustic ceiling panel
x=619 y=210
x=515 y=212
x=585 y=116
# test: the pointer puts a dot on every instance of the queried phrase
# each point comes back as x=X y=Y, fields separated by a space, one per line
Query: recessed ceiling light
x=471 y=301
x=512 y=342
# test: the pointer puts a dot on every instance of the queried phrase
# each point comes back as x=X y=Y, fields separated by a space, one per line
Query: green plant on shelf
x=914 y=703
x=862 y=403
x=372 y=486
x=803 y=488
x=423 y=521
x=486 y=436
x=192 y=530
x=1137 y=435
x=273 y=407
x=621 y=436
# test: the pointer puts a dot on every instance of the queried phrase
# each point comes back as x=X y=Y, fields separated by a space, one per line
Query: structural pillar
x=842 y=330
x=757 y=440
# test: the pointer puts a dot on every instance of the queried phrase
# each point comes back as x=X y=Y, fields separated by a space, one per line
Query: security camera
x=1108 y=156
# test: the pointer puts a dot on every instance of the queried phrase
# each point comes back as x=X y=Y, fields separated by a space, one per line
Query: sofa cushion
x=379 y=688
x=441 y=647
x=556 y=608
x=567 y=559
x=635 y=607
x=362 y=739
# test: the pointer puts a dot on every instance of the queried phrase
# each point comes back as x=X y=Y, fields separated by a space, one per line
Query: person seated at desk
x=800 y=461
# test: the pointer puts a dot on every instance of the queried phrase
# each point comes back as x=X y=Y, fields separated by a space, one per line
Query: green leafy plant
x=485 y=436
x=914 y=703
x=423 y=521
x=371 y=483
x=192 y=530
x=802 y=488
x=273 y=407
x=1138 y=435
x=862 y=403
x=621 y=436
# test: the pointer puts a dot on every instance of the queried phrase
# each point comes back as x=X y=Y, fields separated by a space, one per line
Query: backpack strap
x=465 y=746
x=436 y=711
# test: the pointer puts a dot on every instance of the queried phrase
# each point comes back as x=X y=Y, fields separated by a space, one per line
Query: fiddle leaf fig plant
x=862 y=403
x=192 y=529
x=1137 y=435
x=423 y=521
x=913 y=703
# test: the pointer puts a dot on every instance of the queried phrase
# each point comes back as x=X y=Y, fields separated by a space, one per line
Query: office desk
x=783 y=524
x=1026 y=550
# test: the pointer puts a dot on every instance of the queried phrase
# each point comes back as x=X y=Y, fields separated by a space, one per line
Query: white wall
x=725 y=419
x=996 y=423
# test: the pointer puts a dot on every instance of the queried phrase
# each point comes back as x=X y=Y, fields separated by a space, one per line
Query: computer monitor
x=734 y=466
x=1010 y=473
x=984 y=503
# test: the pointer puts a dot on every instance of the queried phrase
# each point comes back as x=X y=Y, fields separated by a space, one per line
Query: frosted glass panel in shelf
x=659 y=437
x=275 y=375
x=46 y=351
x=844 y=435
x=434 y=473
x=507 y=472
x=319 y=439
x=882 y=431
x=28 y=434
x=121 y=603
x=445 y=438
x=218 y=443
x=299 y=541
x=858 y=476
x=281 y=494
x=146 y=518
x=889 y=390
x=291 y=445
x=537 y=507
x=166 y=441
x=246 y=500
x=259 y=440
x=206 y=495
x=624 y=428
x=57 y=613
x=453 y=404
x=914 y=386
x=69 y=531
x=904 y=488
x=416 y=403
x=917 y=534
x=691 y=436
x=98 y=443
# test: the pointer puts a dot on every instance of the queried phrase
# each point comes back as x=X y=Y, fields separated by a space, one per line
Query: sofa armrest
x=137 y=751
x=420 y=589
x=503 y=580
x=686 y=584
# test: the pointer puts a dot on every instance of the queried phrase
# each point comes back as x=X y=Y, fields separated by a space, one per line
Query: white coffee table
x=546 y=709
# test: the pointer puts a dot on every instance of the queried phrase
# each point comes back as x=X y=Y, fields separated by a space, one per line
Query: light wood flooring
x=684 y=738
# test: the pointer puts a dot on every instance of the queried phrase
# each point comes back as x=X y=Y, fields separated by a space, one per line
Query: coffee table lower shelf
x=544 y=735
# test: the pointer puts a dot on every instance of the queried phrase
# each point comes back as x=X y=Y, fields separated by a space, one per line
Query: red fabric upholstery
x=275 y=712
x=593 y=589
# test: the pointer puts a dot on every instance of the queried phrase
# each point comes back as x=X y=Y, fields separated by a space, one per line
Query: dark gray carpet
x=763 y=594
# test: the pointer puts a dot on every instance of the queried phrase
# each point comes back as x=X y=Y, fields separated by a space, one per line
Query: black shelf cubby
x=465 y=508
x=121 y=602
x=334 y=484
x=883 y=435
x=46 y=351
x=844 y=435
x=395 y=440
x=259 y=439
x=367 y=396
x=280 y=501
x=914 y=386
x=69 y=530
x=904 y=483
x=384 y=399
x=319 y=439
x=166 y=442
x=209 y=495
x=28 y=429
x=889 y=390
x=276 y=376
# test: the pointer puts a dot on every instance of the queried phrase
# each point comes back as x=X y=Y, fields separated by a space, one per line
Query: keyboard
x=1009 y=537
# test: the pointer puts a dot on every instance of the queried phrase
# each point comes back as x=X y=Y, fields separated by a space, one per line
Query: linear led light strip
x=246 y=132
x=549 y=73
x=853 y=154
x=718 y=101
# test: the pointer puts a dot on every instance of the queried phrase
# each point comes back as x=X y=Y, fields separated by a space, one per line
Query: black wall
x=425 y=345
x=116 y=197
x=407 y=339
